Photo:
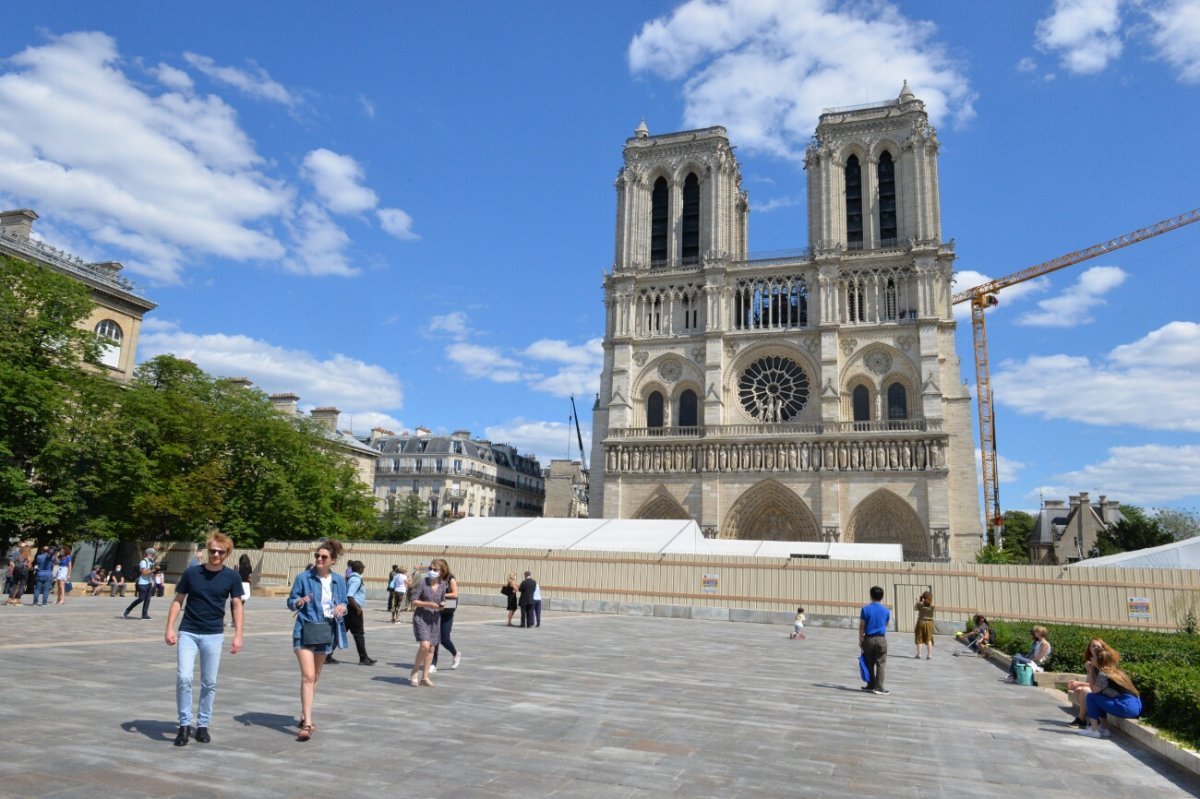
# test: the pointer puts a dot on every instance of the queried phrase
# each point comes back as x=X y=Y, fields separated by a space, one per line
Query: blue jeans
x=41 y=586
x=209 y=649
x=1123 y=706
x=144 y=592
x=447 y=626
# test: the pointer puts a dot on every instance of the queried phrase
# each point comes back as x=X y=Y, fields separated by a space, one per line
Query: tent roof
x=1183 y=554
x=667 y=536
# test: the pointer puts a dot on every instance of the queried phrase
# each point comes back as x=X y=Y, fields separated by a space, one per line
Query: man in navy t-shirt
x=873 y=622
x=207 y=589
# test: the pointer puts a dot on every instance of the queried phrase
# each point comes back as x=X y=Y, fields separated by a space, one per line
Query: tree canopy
x=1137 y=530
x=172 y=455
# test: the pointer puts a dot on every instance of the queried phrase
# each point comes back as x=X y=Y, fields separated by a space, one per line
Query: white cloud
x=368 y=107
x=338 y=181
x=547 y=440
x=484 y=362
x=1027 y=64
x=1085 y=34
x=396 y=223
x=1151 y=383
x=253 y=81
x=1146 y=474
x=173 y=78
x=171 y=172
x=348 y=383
x=577 y=370
x=1006 y=468
x=1073 y=307
x=1176 y=35
x=766 y=68
x=363 y=422
x=454 y=324
x=774 y=204
x=969 y=279
x=320 y=244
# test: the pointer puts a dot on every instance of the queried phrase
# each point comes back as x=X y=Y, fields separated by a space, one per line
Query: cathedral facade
x=813 y=396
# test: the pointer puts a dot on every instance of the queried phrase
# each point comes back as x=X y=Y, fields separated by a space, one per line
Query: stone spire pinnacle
x=906 y=93
x=642 y=131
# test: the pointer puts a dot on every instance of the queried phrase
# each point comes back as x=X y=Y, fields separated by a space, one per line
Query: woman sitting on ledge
x=978 y=638
x=1079 y=689
x=1039 y=653
x=1113 y=695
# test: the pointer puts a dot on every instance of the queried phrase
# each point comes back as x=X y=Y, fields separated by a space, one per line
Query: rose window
x=773 y=389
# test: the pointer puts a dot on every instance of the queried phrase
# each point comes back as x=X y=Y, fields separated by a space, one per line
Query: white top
x=327 y=595
x=400 y=583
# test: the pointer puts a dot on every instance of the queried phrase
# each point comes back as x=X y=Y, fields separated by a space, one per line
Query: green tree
x=187 y=452
x=1179 y=523
x=1018 y=525
x=994 y=554
x=44 y=391
x=1136 y=531
x=403 y=520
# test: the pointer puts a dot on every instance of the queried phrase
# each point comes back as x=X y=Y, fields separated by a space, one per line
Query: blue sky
x=405 y=210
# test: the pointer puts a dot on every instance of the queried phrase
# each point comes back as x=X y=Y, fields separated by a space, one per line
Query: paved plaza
x=585 y=706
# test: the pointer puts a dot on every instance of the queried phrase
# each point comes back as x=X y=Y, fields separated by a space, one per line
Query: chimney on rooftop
x=243 y=382
x=18 y=223
x=286 y=403
x=327 y=417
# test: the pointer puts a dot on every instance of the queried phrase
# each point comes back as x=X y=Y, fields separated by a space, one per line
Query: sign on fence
x=1139 y=607
x=710 y=584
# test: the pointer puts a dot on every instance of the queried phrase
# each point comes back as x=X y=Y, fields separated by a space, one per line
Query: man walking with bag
x=145 y=584
x=872 y=640
x=206 y=589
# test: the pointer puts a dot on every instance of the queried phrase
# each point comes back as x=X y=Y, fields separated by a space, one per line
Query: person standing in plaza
x=873 y=622
x=62 y=575
x=20 y=575
x=798 y=626
x=427 y=598
x=356 y=601
x=509 y=589
x=399 y=596
x=319 y=599
x=449 y=605
x=537 y=603
x=923 y=632
x=528 y=586
x=43 y=575
x=201 y=593
x=145 y=584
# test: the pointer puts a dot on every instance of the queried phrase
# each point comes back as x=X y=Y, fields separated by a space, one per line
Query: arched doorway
x=884 y=518
x=662 y=506
x=770 y=512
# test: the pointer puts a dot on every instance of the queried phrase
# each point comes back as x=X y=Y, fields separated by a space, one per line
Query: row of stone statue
x=906 y=455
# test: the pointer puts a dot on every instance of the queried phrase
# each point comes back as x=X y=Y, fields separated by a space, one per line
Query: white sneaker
x=1089 y=733
x=432 y=669
x=457 y=658
x=1105 y=733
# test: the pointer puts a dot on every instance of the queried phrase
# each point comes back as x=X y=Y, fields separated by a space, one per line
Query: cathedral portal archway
x=884 y=518
x=662 y=506
x=770 y=511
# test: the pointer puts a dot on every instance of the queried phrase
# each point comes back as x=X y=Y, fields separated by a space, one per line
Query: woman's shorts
x=62 y=573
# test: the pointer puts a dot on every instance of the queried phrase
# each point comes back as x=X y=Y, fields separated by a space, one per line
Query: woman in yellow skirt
x=924 y=630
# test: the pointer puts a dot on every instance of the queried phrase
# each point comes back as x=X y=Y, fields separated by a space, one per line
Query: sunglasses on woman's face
x=320 y=556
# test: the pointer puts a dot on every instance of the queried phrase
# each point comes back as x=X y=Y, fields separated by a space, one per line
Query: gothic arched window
x=897 y=402
x=854 y=214
x=660 y=225
x=690 y=244
x=654 y=410
x=687 y=409
x=887 y=199
x=889 y=300
x=861 y=399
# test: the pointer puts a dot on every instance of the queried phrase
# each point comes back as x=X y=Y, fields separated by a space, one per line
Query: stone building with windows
x=456 y=476
x=812 y=397
x=1067 y=532
x=116 y=317
x=566 y=490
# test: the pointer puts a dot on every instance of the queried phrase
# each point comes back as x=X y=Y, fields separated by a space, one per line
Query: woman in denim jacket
x=318 y=594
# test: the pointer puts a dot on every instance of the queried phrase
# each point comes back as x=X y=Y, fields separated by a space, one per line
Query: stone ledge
x=1139 y=732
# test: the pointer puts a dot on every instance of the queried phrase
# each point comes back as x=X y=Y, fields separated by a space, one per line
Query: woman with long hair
x=245 y=571
x=509 y=589
x=319 y=599
x=62 y=574
x=923 y=632
x=428 y=597
x=449 y=603
x=1113 y=695
x=1039 y=653
x=1079 y=689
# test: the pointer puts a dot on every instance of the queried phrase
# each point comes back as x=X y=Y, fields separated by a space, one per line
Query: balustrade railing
x=777 y=430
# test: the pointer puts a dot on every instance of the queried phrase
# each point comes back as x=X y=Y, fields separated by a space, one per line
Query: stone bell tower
x=812 y=397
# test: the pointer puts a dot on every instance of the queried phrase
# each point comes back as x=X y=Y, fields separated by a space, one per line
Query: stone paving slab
x=588 y=705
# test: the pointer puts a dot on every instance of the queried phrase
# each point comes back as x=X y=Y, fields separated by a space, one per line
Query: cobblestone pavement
x=585 y=706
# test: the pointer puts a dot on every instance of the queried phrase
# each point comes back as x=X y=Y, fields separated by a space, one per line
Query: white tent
x=665 y=536
x=1183 y=554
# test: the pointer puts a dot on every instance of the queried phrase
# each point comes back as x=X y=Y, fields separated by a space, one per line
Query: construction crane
x=983 y=297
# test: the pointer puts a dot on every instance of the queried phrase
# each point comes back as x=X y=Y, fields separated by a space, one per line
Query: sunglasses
x=212 y=551
x=320 y=556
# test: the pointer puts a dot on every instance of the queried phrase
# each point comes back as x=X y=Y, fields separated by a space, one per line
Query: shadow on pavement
x=156 y=730
x=272 y=721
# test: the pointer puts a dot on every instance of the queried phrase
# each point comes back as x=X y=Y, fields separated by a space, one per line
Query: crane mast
x=982 y=297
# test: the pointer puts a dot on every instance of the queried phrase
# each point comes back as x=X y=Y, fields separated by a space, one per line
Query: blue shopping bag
x=862 y=669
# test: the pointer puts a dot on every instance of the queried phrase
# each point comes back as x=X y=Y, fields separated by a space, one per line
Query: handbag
x=863 y=671
x=316 y=633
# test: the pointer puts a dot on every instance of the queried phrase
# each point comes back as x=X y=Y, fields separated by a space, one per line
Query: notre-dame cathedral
x=811 y=397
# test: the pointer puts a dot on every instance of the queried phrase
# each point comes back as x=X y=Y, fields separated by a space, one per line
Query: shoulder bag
x=316 y=633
